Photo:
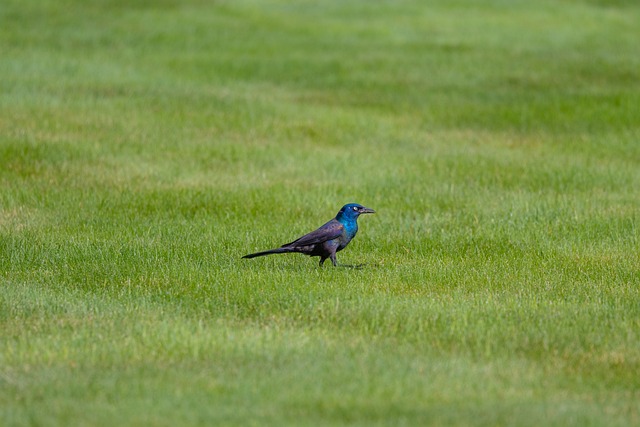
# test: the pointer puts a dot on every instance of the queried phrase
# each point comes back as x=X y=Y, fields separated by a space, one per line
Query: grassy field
x=146 y=146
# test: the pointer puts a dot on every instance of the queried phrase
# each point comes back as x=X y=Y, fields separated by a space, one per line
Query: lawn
x=146 y=146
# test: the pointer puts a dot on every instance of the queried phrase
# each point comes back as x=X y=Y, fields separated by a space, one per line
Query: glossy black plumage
x=330 y=238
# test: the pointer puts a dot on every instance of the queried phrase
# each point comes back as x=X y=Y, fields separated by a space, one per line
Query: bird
x=330 y=238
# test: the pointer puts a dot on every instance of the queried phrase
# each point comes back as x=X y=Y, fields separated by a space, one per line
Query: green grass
x=146 y=146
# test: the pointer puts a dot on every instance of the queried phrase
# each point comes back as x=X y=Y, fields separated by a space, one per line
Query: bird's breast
x=351 y=230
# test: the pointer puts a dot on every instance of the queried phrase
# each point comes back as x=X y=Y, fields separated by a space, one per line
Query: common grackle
x=332 y=237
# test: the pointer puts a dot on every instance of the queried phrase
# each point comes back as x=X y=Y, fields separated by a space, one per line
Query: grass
x=145 y=147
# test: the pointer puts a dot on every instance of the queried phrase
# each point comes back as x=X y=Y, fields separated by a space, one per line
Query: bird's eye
x=355 y=208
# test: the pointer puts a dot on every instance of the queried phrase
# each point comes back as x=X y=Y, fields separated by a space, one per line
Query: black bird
x=332 y=237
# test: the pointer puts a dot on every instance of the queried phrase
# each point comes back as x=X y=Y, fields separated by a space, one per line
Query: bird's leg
x=322 y=260
x=333 y=259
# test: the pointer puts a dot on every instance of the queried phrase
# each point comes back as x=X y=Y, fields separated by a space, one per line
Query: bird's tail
x=270 y=251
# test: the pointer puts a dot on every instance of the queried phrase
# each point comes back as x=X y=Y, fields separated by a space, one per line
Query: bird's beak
x=367 y=210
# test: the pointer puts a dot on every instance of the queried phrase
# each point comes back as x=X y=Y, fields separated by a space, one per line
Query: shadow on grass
x=357 y=266
x=304 y=267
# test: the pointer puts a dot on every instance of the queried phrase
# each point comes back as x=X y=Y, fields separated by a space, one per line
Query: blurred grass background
x=146 y=146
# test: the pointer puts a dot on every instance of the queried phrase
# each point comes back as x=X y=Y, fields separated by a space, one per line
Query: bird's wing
x=329 y=231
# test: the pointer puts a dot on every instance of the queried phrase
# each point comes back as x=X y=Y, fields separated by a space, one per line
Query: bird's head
x=352 y=211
